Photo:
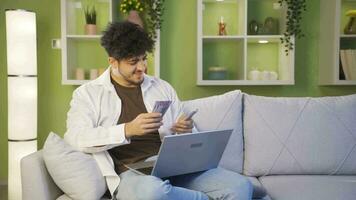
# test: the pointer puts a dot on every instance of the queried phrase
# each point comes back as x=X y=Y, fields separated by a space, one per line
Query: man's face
x=129 y=72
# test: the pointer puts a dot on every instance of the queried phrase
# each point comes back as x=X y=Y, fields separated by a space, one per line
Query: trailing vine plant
x=295 y=9
x=154 y=19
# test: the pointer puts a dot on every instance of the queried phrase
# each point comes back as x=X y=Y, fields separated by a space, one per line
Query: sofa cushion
x=221 y=112
x=76 y=173
x=310 y=187
x=258 y=190
x=299 y=135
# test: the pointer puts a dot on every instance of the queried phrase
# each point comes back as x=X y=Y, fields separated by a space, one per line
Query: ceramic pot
x=90 y=29
x=135 y=18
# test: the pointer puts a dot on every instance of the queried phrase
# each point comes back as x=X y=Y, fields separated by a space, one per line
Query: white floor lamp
x=22 y=93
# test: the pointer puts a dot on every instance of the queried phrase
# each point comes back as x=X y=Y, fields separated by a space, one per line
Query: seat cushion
x=217 y=113
x=310 y=187
x=299 y=135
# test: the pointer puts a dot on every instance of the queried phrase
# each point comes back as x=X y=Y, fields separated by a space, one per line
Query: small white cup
x=254 y=75
x=273 y=75
x=264 y=75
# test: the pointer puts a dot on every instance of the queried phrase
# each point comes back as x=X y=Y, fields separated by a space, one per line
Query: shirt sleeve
x=175 y=111
x=83 y=132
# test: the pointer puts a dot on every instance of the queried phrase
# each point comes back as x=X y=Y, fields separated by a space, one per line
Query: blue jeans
x=214 y=184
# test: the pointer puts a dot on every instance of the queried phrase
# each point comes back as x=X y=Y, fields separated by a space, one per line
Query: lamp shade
x=22 y=93
x=17 y=150
x=22 y=108
x=21 y=42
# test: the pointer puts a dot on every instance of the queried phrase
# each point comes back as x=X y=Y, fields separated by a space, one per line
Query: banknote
x=161 y=106
x=191 y=114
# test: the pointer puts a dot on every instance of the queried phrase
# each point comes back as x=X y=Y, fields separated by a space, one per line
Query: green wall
x=54 y=98
x=178 y=64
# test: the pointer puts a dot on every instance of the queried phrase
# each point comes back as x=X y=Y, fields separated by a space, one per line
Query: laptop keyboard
x=145 y=170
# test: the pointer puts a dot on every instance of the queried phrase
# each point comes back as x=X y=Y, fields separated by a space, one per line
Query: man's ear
x=112 y=61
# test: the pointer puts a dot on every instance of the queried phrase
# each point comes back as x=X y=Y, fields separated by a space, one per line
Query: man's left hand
x=183 y=125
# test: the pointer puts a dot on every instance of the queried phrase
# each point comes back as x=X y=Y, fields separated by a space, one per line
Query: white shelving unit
x=332 y=40
x=238 y=51
x=84 y=51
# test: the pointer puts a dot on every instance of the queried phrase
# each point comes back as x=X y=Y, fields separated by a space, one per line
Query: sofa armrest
x=36 y=182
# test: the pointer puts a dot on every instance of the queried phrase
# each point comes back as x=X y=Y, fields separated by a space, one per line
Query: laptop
x=185 y=153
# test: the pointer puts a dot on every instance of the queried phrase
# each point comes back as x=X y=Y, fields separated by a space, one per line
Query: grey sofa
x=290 y=148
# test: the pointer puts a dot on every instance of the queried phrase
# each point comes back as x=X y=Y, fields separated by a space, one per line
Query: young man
x=111 y=118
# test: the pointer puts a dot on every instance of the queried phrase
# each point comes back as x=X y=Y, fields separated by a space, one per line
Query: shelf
x=223 y=37
x=345 y=5
x=226 y=54
x=264 y=39
x=83 y=51
x=75 y=19
x=228 y=59
x=74 y=82
x=347 y=36
x=224 y=1
x=271 y=59
x=265 y=17
x=337 y=50
x=264 y=36
x=231 y=12
x=85 y=54
x=339 y=83
x=84 y=36
x=244 y=82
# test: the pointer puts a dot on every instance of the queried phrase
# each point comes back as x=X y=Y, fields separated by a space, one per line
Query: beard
x=130 y=79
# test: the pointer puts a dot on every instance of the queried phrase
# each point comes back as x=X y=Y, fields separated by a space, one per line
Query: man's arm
x=82 y=130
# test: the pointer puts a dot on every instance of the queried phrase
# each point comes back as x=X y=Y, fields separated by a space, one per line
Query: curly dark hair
x=125 y=40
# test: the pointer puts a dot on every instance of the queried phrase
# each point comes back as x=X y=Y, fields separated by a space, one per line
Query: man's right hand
x=144 y=123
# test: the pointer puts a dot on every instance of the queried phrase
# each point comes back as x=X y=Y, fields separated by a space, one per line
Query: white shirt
x=94 y=111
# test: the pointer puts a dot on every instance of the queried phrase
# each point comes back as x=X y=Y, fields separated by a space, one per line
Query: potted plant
x=295 y=9
x=132 y=8
x=90 y=19
x=153 y=11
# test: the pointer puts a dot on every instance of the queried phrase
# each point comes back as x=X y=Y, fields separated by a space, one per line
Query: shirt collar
x=104 y=80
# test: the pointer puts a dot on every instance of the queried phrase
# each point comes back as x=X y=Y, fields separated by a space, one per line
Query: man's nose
x=142 y=65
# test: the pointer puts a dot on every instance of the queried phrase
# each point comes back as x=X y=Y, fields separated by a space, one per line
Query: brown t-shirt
x=141 y=147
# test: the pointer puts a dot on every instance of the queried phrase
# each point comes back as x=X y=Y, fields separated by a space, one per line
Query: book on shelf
x=352 y=67
x=348 y=63
x=341 y=71
x=344 y=64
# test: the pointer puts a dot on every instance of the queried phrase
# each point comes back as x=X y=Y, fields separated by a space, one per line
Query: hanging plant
x=295 y=9
x=154 y=19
